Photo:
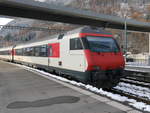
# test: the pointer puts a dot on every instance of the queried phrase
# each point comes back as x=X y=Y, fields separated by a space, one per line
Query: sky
x=4 y=21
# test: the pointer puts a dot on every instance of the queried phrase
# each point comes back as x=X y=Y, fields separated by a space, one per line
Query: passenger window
x=25 y=52
x=19 y=51
x=30 y=51
x=43 y=51
x=75 y=44
x=4 y=53
x=37 y=51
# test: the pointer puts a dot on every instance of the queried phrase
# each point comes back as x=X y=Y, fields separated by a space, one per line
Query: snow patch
x=134 y=90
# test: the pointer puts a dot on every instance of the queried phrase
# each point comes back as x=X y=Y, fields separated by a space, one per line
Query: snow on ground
x=132 y=102
x=135 y=90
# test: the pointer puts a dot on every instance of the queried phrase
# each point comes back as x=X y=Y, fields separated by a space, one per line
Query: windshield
x=102 y=44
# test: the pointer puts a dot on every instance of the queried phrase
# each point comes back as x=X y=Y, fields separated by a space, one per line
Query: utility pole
x=125 y=9
x=125 y=35
x=125 y=28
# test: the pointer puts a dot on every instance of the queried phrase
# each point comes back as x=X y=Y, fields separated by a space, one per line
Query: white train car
x=86 y=54
x=53 y=54
x=6 y=53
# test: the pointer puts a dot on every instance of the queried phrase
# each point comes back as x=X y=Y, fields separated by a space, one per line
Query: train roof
x=85 y=29
x=88 y=29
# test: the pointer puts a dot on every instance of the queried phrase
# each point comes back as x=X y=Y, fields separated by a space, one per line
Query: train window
x=19 y=51
x=40 y=51
x=37 y=51
x=4 y=53
x=43 y=51
x=102 y=44
x=24 y=51
x=1 y=52
x=31 y=51
x=28 y=51
x=50 y=51
x=75 y=44
x=60 y=36
x=7 y=53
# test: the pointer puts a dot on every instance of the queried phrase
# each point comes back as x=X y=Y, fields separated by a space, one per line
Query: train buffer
x=22 y=91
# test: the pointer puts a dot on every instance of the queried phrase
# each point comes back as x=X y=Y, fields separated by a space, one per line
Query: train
x=89 y=55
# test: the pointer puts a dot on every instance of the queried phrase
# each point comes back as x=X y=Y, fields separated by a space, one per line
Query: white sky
x=4 y=21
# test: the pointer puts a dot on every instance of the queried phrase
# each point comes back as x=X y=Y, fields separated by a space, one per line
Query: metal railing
x=144 y=62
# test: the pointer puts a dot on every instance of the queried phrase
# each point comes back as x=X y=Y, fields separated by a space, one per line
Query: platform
x=22 y=91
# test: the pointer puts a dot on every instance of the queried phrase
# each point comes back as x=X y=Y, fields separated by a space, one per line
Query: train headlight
x=96 y=67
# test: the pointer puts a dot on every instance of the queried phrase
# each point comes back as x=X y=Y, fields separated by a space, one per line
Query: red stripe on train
x=93 y=34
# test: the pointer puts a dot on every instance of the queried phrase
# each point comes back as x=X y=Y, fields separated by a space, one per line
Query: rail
x=139 y=73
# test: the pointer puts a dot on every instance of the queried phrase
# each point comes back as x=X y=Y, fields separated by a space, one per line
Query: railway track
x=135 y=82
x=138 y=76
x=130 y=96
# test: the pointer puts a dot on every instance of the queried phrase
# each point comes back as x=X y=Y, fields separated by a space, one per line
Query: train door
x=49 y=49
x=77 y=54
x=54 y=55
x=12 y=53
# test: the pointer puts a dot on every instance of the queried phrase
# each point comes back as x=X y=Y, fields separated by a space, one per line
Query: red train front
x=105 y=61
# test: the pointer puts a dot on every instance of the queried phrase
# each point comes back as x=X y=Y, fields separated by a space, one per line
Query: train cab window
x=75 y=44
x=102 y=44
